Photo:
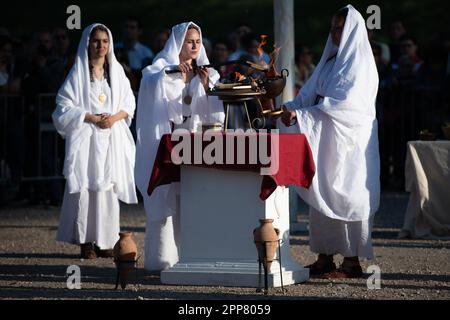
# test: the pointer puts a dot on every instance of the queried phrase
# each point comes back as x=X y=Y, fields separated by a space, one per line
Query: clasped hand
x=104 y=121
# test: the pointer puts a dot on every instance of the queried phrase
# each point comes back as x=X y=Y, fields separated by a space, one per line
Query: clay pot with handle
x=266 y=241
x=125 y=252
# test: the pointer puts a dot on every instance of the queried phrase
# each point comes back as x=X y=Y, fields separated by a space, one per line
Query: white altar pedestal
x=218 y=211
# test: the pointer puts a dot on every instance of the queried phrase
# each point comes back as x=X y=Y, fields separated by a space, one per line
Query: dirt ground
x=33 y=265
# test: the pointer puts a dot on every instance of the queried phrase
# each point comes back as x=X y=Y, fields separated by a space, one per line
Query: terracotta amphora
x=125 y=251
x=266 y=241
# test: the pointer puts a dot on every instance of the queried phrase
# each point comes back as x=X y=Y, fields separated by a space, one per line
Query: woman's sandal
x=88 y=251
x=345 y=272
x=319 y=268
x=104 y=253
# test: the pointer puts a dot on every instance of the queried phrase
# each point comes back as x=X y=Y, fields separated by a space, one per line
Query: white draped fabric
x=99 y=163
x=160 y=105
x=90 y=216
x=427 y=177
x=333 y=236
x=341 y=126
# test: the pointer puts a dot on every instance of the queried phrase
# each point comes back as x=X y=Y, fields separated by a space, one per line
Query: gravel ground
x=33 y=265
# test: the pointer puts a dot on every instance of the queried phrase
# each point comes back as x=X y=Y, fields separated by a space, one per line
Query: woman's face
x=98 y=44
x=337 y=26
x=191 y=46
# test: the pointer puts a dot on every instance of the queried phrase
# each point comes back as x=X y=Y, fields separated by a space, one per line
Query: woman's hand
x=92 y=118
x=287 y=117
x=204 y=77
x=106 y=122
x=185 y=67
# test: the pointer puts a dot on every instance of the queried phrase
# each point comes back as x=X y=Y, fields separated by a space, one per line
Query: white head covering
x=153 y=117
x=73 y=102
x=354 y=71
x=79 y=75
x=342 y=129
x=170 y=55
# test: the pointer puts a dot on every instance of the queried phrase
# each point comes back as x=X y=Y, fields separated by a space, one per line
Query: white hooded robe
x=341 y=128
x=160 y=105
x=99 y=163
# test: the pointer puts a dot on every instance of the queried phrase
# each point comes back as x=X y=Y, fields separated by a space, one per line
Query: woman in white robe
x=94 y=108
x=167 y=102
x=336 y=111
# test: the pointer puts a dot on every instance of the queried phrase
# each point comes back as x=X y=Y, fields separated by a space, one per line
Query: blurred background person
x=397 y=30
x=158 y=39
x=406 y=69
x=251 y=44
x=220 y=55
x=138 y=55
x=304 y=66
x=385 y=52
x=235 y=40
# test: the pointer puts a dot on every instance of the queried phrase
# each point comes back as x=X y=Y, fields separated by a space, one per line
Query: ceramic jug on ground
x=125 y=252
x=266 y=241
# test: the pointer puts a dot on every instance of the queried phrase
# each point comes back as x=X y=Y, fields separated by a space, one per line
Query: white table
x=219 y=210
x=427 y=177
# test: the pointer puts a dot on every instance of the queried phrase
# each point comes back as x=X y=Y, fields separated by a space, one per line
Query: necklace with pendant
x=102 y=96
x=187 y=99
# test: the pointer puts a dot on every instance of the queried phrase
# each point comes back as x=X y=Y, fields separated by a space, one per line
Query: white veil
x=169 y=56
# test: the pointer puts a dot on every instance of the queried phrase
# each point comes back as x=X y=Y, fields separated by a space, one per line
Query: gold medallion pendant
x=102 y=97
x=187 y=99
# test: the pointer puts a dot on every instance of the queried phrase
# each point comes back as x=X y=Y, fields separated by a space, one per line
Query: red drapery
x=296 y=163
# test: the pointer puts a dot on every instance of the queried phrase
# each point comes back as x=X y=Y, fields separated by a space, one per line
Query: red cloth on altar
x=296 y=164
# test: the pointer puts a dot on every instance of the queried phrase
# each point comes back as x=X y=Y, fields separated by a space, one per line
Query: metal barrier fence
x=11 y=124
x=49 y=150
x=32 y=152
